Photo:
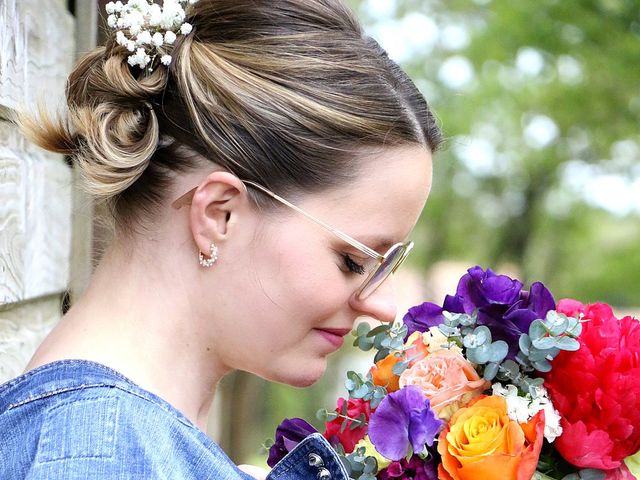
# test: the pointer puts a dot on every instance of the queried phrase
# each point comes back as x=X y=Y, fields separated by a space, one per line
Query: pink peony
x=596 y=389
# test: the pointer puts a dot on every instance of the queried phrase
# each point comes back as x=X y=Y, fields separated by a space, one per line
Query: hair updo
x=284 y=93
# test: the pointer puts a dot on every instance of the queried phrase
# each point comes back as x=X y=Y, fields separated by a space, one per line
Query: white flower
x=143 y=37
x=139 y=58
x=138 y=22
x=522 y=409
x=169 y=37
x=157 y=39
x=121 y=38
x=140 y=5
x=155 y=15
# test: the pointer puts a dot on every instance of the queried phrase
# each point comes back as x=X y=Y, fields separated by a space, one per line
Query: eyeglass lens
x=392 y=260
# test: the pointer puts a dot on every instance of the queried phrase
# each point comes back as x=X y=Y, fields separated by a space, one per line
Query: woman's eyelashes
x=352 y=266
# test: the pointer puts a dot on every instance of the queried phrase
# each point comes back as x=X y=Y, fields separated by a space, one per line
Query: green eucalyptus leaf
x=466 y=320
x=482 y=354
x=362 y=329
x=542 y=366
x=591 y=474
x=370 y=465
x=399 y=367
x=346 y=464
x=544 y=343
x=524 y=342
x=344 y=424
x=571 y=476
x=557 y=323
x=483 y=335
x=381 y=355
x=490 y=371
x=537 y=330
x=498 y=351
x=379 y=329
x=360 y=392
x=397 y=343
x=537 y=355
x=567 y=343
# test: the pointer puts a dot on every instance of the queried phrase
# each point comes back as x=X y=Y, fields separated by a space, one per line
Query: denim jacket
x=76 y=419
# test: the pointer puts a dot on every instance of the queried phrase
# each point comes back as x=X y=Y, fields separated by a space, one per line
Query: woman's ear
x=216 y=203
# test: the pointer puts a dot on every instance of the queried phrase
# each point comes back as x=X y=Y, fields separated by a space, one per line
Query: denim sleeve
x=313 y=458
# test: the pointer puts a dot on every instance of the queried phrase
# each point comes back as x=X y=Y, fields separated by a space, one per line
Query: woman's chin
x=302 y=376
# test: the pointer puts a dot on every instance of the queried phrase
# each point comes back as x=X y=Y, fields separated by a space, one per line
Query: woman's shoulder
x=77 y=416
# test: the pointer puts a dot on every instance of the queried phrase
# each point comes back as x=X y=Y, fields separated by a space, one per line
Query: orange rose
x=447 y=379
x=481 y=441
x=382 y=373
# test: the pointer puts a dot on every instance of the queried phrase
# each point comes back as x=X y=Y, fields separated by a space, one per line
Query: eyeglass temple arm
x=343 y=236
x=186 y=200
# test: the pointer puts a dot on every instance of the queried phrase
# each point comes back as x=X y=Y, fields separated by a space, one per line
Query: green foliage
x=359 y=466
x=385 y=338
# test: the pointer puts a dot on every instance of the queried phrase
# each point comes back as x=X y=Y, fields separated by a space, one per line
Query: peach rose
x=447 y=379
x=481 y=441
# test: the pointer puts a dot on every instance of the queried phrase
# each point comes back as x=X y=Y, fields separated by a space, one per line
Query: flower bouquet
x=497 y=383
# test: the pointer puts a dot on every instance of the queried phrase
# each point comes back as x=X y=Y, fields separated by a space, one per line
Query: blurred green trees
x=540 y=102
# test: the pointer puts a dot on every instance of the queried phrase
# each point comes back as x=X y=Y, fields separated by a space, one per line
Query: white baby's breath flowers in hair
x=144 y=28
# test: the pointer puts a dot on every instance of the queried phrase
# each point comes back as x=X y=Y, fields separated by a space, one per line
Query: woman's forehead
x=383 y=202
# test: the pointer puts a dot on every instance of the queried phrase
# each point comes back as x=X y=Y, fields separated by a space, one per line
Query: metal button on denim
x=323 y=474
x=315 y=460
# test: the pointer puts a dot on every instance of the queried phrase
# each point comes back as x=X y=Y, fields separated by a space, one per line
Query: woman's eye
x=352 y=266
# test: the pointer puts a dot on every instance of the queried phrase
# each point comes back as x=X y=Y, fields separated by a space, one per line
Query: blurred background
x=539 y=177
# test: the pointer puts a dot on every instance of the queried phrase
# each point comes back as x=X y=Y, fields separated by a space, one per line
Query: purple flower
x=414 y=469
x=403 y=419
x=288 y=434
x=509 y=323
x=480 y=289
x=421 y=317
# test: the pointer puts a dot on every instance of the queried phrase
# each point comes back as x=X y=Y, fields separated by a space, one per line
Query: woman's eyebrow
x=379 y=243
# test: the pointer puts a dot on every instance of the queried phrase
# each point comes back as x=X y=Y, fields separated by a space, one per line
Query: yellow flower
x=481 y=441
x=633 y=464
x=370 y=451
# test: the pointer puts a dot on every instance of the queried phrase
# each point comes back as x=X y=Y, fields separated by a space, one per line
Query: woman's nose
x=381 y=304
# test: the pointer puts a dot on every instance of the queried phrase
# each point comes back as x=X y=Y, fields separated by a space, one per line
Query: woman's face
x=289 y=292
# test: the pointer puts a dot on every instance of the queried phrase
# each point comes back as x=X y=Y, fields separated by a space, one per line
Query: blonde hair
x=284 y=93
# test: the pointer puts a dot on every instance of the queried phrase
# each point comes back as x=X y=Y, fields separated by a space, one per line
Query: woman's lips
x=334 y=335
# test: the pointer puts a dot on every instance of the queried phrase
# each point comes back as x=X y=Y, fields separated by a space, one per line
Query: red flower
x=597 y=389
x=348 y=437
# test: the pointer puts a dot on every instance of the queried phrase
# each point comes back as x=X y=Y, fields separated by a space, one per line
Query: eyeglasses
x=386 y=264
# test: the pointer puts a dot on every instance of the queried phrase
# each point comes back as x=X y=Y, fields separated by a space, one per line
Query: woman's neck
x=139 y=321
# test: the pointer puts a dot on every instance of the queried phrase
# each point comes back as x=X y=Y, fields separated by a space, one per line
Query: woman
x=310 y=154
